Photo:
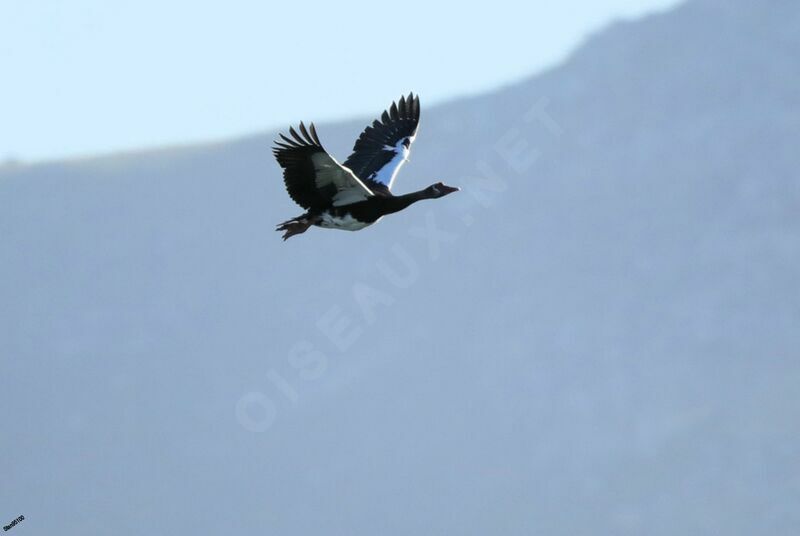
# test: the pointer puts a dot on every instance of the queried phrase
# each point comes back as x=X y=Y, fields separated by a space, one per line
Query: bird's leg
x=296 y=226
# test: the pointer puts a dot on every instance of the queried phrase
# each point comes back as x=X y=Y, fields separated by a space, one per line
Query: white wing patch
x=387 y=173
x=349 y=196
x=349 y=188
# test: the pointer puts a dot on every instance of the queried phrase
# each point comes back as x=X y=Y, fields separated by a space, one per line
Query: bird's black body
x=357 y=194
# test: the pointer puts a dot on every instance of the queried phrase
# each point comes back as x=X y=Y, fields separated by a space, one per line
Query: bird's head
x=440 y=189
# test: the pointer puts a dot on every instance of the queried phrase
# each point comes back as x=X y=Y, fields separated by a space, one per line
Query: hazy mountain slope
x=605 y=342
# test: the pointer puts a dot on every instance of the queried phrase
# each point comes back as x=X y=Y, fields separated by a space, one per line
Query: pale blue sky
x=91 y=76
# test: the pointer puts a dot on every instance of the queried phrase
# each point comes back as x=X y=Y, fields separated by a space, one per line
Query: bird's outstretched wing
x=384 y=146
x=313 y=178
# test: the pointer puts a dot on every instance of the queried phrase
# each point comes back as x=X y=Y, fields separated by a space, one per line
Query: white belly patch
x=345 y=223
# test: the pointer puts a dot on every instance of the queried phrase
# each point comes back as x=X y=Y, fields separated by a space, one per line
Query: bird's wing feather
x=313 y=178
x=384 y=146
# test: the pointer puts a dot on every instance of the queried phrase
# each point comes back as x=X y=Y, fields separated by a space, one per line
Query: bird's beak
x=449 y=189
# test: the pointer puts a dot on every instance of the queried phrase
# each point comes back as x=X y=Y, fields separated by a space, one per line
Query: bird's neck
x=399 y=202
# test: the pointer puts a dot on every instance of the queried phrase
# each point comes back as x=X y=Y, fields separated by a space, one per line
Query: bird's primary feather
x=313 y=178
x=384 y=146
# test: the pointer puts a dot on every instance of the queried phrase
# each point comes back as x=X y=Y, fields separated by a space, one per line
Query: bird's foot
x=294 y=227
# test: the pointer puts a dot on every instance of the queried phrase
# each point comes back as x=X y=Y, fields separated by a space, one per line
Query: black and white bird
x=355 y=194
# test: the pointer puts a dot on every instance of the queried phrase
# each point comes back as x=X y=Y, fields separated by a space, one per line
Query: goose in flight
x=355 y=194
